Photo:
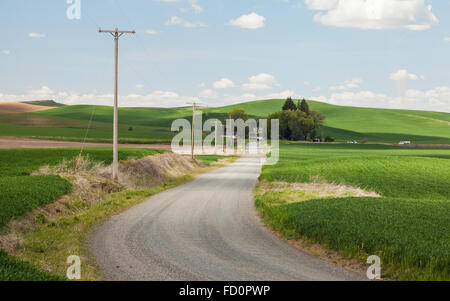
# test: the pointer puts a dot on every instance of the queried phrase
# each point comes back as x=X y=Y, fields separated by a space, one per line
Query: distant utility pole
x=116 y=34
x=195 y=106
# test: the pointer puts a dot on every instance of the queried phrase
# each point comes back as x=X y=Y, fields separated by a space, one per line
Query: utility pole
x=195 y=106
x=116 y=33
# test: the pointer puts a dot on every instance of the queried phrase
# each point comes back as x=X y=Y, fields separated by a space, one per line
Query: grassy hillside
x=407 y=226
x=377 y=125
x=153 y=124
x=21 y=192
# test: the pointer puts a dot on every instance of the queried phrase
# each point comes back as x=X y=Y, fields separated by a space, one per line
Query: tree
x=318 y=118
x=304 y=107
x=239 y=114
x=299 y=124
x=294 y=125
x=285 y=132
x=289 y=105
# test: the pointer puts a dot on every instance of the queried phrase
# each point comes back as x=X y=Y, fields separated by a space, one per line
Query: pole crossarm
x=197 y=105
x=116 y=33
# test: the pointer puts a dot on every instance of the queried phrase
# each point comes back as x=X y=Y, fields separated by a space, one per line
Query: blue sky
x=375 y=53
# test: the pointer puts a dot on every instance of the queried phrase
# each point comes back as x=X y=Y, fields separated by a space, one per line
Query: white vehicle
x=404 y=142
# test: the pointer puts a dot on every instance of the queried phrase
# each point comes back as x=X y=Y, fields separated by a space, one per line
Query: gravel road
x=206 y=229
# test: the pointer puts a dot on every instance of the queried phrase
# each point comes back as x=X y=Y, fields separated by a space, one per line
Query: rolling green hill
x=377 y=125
x=153 y=124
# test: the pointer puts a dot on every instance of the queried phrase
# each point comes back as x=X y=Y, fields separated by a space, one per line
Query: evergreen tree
x=304 y=107
x=289 y=105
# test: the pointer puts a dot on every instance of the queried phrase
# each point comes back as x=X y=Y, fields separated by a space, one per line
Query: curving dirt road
x=206 y=229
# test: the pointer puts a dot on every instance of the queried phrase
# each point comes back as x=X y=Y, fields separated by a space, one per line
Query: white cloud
x=280 y=95
x=224 y=83
x=260 y=82
x=374 y=14
x=174 y=20
x=151 y=31
x=250 y=21
x=194 y=25
x=446 y=39
x=437 y=99
x=197 y=8
x=321 y=4
x=403 y=75
x=36 y=35
x=210 y=94
x=43 y=92
x=154 y=99
x=353 y=83
x=6 y=52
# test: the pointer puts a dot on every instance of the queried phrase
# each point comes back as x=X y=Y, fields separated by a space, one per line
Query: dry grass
x=17 y=107
x=92 y=182
x=287 y=193
x=48 y=235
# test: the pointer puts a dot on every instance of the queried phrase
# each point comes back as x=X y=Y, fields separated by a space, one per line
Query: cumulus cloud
x=210 y=94
x=403 y=75
x=175 y=20
x=224 y=83
x=281 y=95
x=321 y=4
x=374 y=14
x=196 y=7
x=437 y=99
x=151 y=31
x=194 y=25
x=250 y=21
x=260 y=82
x=155 y=99
x=36 y=35
x=353 y=83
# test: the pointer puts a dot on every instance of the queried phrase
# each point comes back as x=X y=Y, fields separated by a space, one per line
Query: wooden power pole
x=195 y=106
x=116 y=34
